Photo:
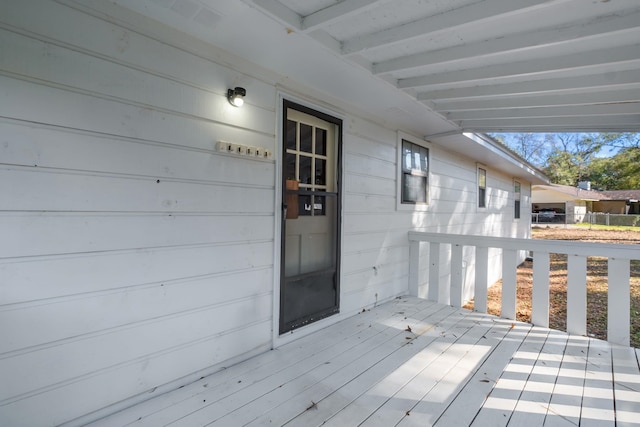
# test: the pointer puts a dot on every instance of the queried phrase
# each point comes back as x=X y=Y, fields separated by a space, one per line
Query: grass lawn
x=607 y=227
x=596 y=283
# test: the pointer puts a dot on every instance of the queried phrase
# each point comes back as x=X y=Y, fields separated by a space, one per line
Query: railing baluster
x=450 y=289
x=414 y=269
x=482 y=276
x=540 y=292
x=577 y=294
x=456 y=275
x=434 y=271
x=618 y=329
x=509 y=278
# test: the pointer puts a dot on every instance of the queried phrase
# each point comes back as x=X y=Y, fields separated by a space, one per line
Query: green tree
x=562 y=168
x=620 y=172
x=568 y=158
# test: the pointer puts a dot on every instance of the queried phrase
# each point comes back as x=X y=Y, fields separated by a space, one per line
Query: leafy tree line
x=568 y=158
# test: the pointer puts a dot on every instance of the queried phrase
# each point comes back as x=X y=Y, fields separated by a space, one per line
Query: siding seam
x=128 y=176
x=123 y=101
x=123 y=138
x=128 y=250
x=131 y=325
x=134 y=288
x=138 y=359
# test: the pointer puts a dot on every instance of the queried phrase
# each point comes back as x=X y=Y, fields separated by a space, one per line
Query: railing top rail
x=610 y=250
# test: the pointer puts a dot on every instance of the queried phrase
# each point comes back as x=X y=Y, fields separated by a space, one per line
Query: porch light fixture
x=236 y=96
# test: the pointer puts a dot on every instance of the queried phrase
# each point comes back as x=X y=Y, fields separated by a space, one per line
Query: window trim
x=481 y=167
x=407 y=206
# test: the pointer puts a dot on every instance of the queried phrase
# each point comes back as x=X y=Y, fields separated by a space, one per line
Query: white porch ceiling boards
x=490 y=65
x=441 y=66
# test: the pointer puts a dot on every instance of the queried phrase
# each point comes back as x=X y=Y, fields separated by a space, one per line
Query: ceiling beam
x=338 y=12
x=625 y=108
x=529 y=68
x=280 y=12
x=470 y=13
x=542 y=38
x=629 y=77
x=630 y=123
x=544 y=100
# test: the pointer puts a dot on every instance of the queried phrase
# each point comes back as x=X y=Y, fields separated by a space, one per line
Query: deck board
x=454 y=368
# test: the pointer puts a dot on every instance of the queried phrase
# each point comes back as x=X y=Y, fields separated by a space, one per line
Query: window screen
x=482 y=188
x=516 y=196
x=415 y=173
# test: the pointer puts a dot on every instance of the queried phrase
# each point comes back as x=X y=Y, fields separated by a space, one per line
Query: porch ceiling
x=456 y=65
x=491 y=65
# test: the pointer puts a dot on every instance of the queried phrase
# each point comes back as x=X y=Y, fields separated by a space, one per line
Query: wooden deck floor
x=454 y=368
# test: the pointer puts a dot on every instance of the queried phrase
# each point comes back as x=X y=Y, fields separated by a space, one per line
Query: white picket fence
x=618 y=257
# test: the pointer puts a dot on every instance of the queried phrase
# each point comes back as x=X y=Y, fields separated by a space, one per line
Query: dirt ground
x=596 y=283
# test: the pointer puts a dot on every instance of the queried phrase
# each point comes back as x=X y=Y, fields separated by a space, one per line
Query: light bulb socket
x=236 y=96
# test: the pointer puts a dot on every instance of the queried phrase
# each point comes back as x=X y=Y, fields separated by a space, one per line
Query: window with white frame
x=517 y=192
x=414 y=179
x=482 y=187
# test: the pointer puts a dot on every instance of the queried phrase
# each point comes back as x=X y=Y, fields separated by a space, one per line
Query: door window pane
x=321 y=141
x=291 y=135
x=305 y=170
x=305 y=138
x=290 y=167
x=321 y=179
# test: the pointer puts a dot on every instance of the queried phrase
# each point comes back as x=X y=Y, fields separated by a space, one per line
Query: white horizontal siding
x=86 y=191
x=69 y=274
x=375 y=251
x=53 y=405
x=375 y=246
x=47 y=233
x=136 y=253
x=78 y=316
x=187 y=158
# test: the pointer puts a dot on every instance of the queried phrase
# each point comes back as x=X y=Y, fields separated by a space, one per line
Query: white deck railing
x=619 y=257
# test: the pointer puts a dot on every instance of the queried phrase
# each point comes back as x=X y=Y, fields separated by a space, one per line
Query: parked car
x=546 y=214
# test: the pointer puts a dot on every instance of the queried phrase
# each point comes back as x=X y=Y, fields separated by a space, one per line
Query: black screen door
x=309 y=288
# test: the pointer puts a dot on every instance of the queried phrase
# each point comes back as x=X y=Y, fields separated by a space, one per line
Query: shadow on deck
x=413 y=362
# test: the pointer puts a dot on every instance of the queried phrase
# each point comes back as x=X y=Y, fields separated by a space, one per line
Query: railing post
x=509 y=279
x=414 y=268
x=540 y=291
x=456 y=275
x=577 y=294
x=434 y=272
x=482 y=276
x=619 y=297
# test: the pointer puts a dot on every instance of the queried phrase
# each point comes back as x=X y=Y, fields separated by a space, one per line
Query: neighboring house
x=153 y=233
x=619 y=202
x=570 y=204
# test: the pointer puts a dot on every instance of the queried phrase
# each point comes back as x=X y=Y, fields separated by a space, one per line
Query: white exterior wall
x=134 y=255
x=576 y=211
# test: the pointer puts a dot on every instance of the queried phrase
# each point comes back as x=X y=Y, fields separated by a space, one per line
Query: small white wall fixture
x=243 y=150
